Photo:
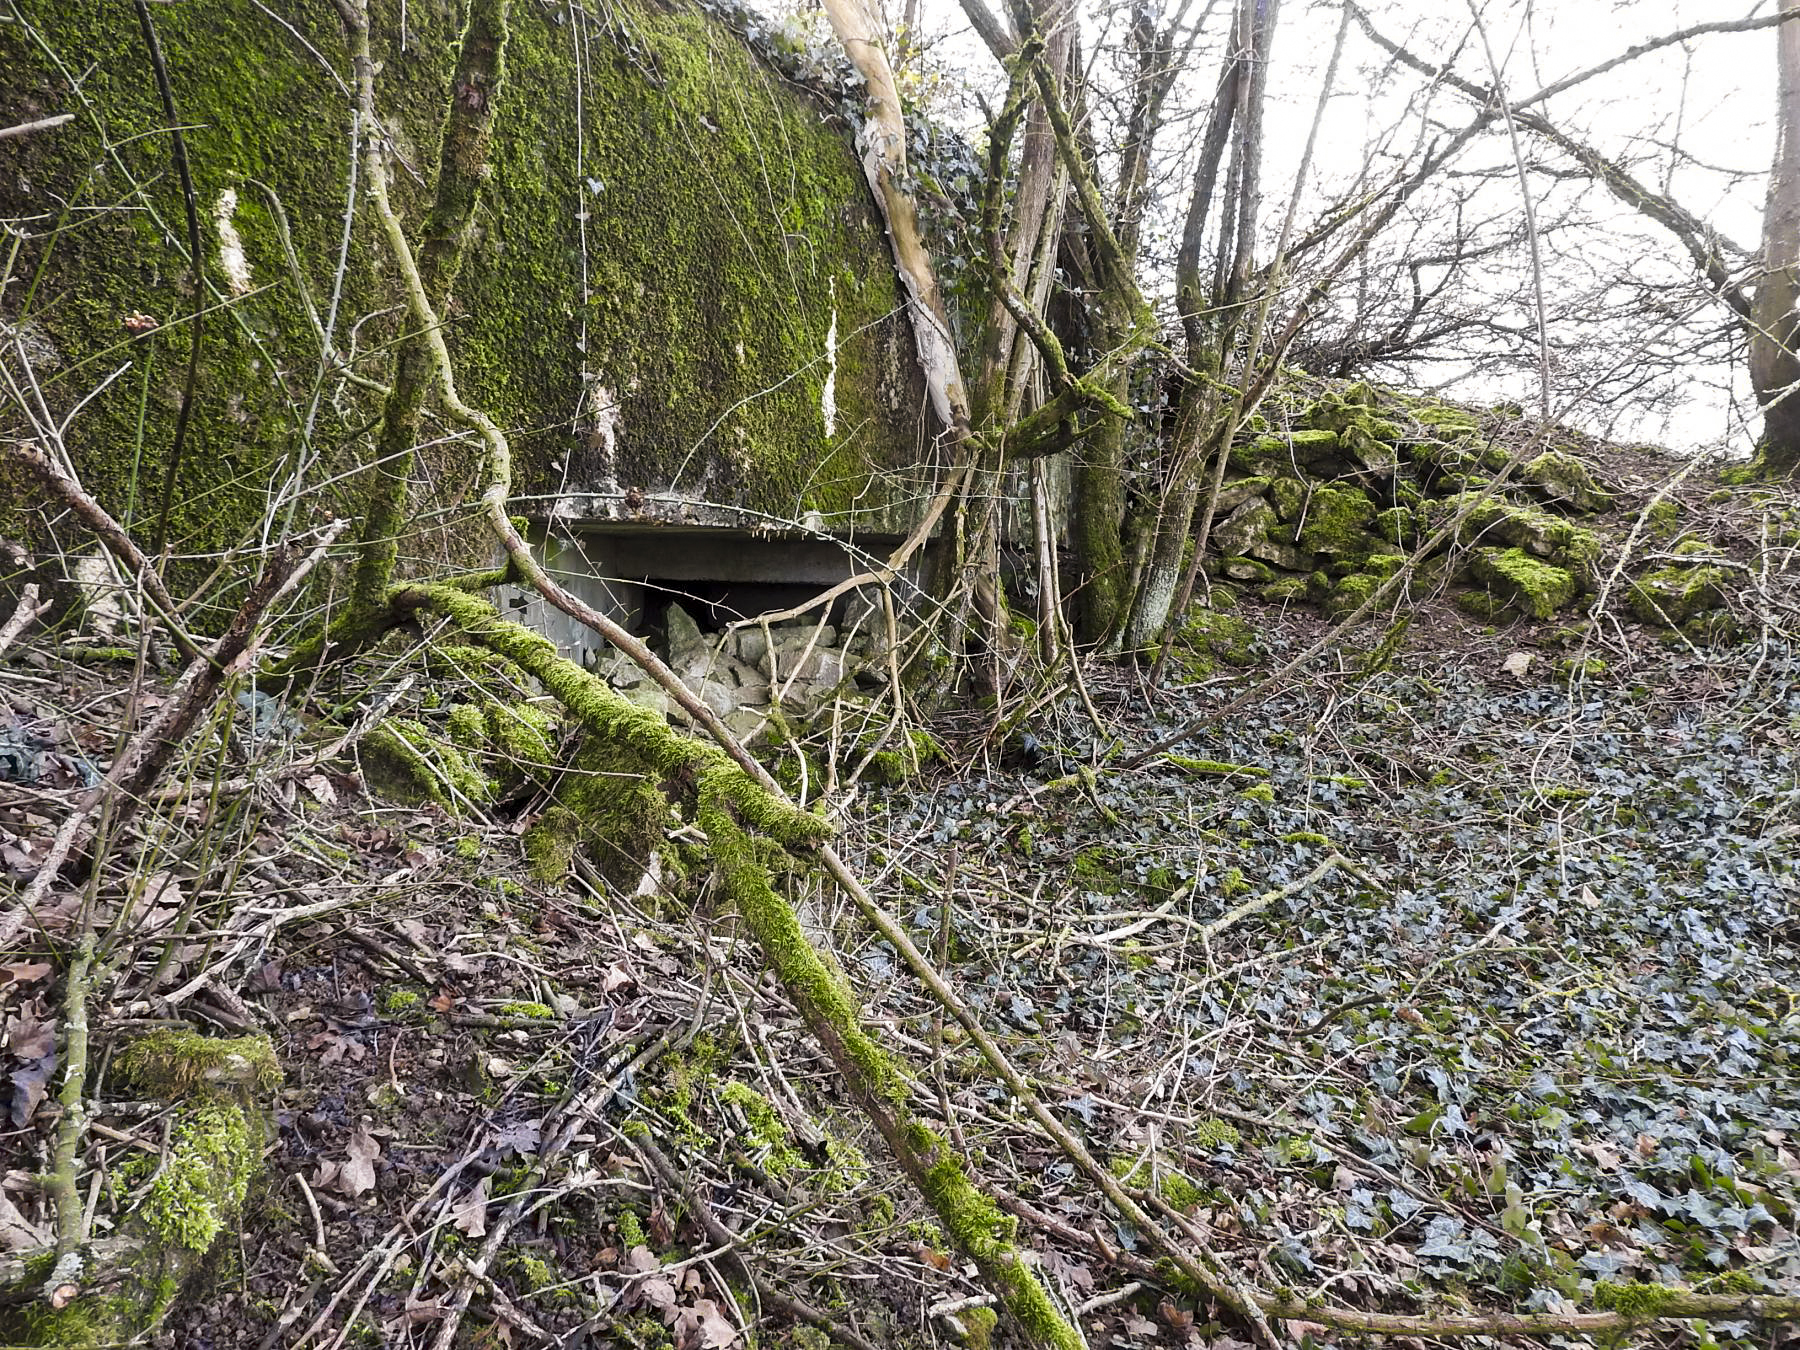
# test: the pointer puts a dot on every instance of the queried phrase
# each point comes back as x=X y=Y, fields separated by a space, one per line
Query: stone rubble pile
x=745 y=675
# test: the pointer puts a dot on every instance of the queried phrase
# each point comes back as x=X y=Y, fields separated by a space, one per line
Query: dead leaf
x=17 y=1233
x=661 y=1231
x=28 y=1088
x=703 y=1327
x=470 y=1215
x=1517 y=664
x=616 y=978
x=32 y=1039
x=26 y=972
x=936 y=1260
x=320 y=787
x=444 y=1001
x=356 y=1176
x=1138 y=1325
x=641 y=1260
x=659 y=1293
x=522 y=1136
x=1178 y=1317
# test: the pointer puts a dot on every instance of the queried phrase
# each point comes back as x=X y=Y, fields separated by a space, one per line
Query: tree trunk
x=1774 y=366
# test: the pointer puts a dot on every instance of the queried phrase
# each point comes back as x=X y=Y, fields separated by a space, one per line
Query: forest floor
x=1462 y=972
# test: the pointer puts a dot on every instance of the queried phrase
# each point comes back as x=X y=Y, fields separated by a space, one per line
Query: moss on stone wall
x=668 y=239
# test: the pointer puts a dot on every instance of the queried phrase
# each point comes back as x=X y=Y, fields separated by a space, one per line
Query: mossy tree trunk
x=1211 y=318
x=1775 y=317
x=462 y=169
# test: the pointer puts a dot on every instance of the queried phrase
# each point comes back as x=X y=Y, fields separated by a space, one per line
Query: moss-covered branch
x=877 y=1081
x=462 y=167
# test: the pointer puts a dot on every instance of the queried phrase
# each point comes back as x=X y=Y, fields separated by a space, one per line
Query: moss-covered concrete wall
x=677 y=282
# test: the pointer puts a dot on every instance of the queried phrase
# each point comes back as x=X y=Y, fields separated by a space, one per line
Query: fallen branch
x=29 y=608
x=137 y=767
x=111 y=534
x=721 y=1236
x=31 y=128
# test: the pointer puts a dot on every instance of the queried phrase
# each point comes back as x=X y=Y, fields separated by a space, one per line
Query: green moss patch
x=1672 y=595
x=1528 y=584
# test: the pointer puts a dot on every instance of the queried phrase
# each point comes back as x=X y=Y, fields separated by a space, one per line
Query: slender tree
x=1774 y=324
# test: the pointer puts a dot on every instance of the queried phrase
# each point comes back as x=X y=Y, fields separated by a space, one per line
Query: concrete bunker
x=718 y=576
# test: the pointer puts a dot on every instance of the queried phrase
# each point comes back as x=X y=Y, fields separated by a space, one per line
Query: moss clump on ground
x=1098 y=869
x=1175 y=1187
x=978 y=1327
x=213 y=1152
x=1563 y=478
x=1672 y=595
x=405 y=761
x=1351 y=593
x=1215 y=1133
x=195 y=1193
x=1207 y=637
x=177 y=1064
x=1528 y=584
x=898 y=764
x=764 y=1129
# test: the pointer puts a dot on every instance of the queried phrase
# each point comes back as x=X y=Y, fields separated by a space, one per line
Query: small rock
x=1247 y=525
x=688 y=647
x=718 y=695
x=749 y=725
x=649 y=696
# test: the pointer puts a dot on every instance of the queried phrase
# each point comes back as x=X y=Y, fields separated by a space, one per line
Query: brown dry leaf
x=616 y=978
x=444 y=1001
x=936 y=1260
x=26 y=972
x=31 y=1039
x=640 y=1260
x=1139 y=1325
x=704 y=1327
x=28 y=1088
x=470 y=1215
x=660 y=1229
x=659 y=1293
x=1178 y=1317
x=320 y=787
x=356 y=1176
x=17 y=1233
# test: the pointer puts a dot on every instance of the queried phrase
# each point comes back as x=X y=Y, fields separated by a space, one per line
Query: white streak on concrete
x=231 y=245
x=828 y=395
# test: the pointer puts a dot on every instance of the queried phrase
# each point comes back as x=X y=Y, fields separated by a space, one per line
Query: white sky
x=1711 y=97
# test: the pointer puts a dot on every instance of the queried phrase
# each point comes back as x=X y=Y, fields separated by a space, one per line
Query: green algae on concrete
x=675 y=282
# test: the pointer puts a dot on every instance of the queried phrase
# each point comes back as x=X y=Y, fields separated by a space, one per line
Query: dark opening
x=714 y=605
